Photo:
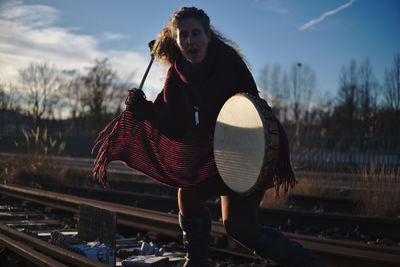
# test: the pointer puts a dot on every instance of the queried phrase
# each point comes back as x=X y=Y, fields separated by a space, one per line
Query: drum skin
x=246 y=144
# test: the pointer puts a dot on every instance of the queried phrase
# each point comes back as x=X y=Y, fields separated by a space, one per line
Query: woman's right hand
x=136 y=103
x=135 y=97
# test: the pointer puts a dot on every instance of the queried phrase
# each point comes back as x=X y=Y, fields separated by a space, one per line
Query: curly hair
x=165 y=48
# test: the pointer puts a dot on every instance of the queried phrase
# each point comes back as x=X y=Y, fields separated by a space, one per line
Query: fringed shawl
x=161 y=138
x=141 y=146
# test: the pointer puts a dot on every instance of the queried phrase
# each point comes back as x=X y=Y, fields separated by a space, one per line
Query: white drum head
x=239 y=143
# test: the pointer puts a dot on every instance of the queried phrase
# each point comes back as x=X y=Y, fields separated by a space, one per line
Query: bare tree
x=346 y=109
x=121 y=90
x=264 y=81
x=98 y=85
x=367 y=96
x=74 y=101
x=40 y=84
x=392 y=85
x=289 y=92
x=303 y=83
x=321 y=115
x=10 y=109
x=4 y=98
x=276 y=90
x=285 y=103
x=4 y=103
x=103 y=92
x=276 y=83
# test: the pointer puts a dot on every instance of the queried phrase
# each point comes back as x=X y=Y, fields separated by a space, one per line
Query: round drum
x=246 y=143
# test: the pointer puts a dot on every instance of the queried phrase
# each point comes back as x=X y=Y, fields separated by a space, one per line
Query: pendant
x=196 y=115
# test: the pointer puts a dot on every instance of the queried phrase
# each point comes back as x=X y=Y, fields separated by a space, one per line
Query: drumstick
x=151 y=44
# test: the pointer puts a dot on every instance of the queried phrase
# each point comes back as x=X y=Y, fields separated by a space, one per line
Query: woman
x=204 y=72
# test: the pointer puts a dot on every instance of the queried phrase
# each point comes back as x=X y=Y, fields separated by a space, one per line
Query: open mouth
x=193 y=52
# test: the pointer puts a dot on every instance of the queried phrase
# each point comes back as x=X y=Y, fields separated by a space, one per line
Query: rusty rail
x=28 y=252
x=44 y=252
x=337 y=253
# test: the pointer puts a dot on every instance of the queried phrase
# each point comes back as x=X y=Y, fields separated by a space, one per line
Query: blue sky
x=322 y=34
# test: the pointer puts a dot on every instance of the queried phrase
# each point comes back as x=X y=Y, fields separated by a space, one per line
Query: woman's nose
x=190 y=39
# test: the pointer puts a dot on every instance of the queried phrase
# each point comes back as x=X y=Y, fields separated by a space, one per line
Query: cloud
x=36 y=16
x=109 y=36
x=325 y=15
x=28 y=33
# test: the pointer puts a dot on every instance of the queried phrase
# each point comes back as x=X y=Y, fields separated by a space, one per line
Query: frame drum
x=246 y=144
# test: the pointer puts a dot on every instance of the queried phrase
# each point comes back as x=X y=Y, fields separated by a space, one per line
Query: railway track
x=328 y=224
x=334 y=252
x=23 y=228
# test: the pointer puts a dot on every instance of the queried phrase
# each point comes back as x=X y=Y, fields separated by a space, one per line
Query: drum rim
x=271 y=157
x=271 y=141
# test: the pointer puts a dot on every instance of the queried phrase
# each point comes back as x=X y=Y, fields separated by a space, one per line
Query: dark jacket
x=203 y=88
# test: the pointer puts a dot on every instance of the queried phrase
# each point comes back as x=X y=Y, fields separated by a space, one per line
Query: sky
x=324 y=35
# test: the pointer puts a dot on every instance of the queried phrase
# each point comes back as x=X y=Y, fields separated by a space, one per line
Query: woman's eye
x=183 y=35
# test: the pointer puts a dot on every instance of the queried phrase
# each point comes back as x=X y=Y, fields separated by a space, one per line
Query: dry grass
x=269 y=200
x=34 y=171
x=39 y=142
x=375 y=189
x=36 y=167
x=306 y=186
x=379 y=192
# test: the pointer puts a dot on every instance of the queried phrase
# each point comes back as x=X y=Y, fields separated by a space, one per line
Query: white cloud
x=28 y=34
x=325 y=15
x=36 y=16
x=109 y=36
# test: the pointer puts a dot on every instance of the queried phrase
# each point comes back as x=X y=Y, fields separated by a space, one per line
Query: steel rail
x=21 y=244
x=28 y=252
x=148 y=220
x=46 y=248
x=337 y=253
x=302 y=219
x=345 y=253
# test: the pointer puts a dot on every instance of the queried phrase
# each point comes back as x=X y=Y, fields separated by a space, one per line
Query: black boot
x=196 y=239
x=277 y=247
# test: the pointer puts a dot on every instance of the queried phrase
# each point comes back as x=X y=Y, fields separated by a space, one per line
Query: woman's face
x=192 y=40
